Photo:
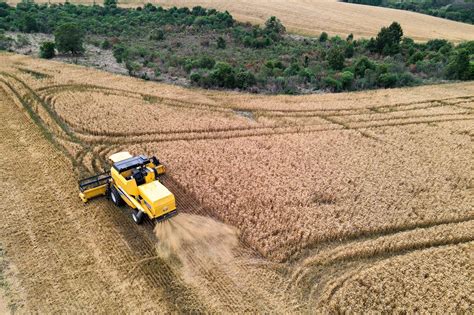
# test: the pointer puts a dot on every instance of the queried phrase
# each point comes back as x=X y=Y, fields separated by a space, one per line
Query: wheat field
x=311 y=17
x=341 y=201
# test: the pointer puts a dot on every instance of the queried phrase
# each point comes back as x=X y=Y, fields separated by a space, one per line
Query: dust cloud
x=188 y=235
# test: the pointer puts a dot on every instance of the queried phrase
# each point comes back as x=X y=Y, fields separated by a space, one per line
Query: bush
x=195 y=77
x=323 y=37
x=387 y=80
x=333 y=84
x=69 y=38
x=205 y=62
x=157 y=35
x=292 y=69
x=306 y=74
x=106 y=44
x=132 y=67
x=47 y=50
x=223 y=75
x=336 y=58
x=459 y=66
x=469 y=46
x=436 y=44
x=407 y=79
x=347 y=78
x=418 y=56
x=362 y=65
x=245 y=79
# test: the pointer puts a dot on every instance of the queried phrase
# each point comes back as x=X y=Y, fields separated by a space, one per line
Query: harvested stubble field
x=311 y=17
x=346 y=201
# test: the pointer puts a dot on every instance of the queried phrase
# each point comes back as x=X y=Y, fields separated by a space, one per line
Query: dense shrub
x=336 y=58
x=47 y=50
x=323 y=37
x=416 y=57
x=459 y=66
x=387 y=80
x=362 y=65
x=187 y=42
x=245 y=79
x=223 y=75
x=333 y=84
x=347 y=78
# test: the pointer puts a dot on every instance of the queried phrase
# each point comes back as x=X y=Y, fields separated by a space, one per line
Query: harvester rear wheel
x=138 y=216
x=115 y=196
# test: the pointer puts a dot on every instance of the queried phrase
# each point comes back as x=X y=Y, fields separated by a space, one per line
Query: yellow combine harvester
x=133 y=180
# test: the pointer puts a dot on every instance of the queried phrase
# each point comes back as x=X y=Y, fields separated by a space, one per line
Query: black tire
x=138 y=216
x=115 y=197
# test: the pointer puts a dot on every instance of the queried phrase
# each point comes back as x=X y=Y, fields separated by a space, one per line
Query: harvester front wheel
x=138 y=216
x=115 y=196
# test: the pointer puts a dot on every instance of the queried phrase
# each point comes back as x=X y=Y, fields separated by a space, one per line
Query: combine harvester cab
x=133 y=180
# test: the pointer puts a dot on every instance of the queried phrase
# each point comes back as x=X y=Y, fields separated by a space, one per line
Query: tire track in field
x=330 y=266
x=223 y=133
x=175 y=101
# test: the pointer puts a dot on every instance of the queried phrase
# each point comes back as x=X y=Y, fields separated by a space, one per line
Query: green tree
x=336 y=58
x=388 y=39
x=459 y=66
x=69 y=37
x=274 y=27
x=47 y=50
x=29 y=24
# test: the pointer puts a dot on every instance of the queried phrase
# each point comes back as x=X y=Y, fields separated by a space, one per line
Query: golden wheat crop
x=358 y=190
x=290 y=172
x=423 y=281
